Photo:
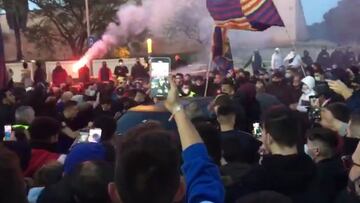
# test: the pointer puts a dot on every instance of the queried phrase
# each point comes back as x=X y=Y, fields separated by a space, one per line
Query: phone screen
x=7 y=132
x=314 y=101
x=84 y=136
x=159 y=73
x=257 y=130
x=95 y=135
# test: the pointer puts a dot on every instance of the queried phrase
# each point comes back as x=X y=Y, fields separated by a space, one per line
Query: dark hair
x=49 y=174
x=3 y=94
x=147 y=166
x=43 y=128
x=180 y=74
x=25 y=65
x=107 y=125
x=282 y=125
x=69 y=104
x=211 y=137
x=265 y=197
x=12 y=189
x=89 y=181
x=340 y=111
x=120 y=60
x=230 y=82
x=324 y=135
x=105 y=100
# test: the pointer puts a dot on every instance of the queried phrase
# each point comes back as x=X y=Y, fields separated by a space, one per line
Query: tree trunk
x=19 y=54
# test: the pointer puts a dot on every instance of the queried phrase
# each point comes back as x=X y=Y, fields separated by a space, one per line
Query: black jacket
x=289 y=175
x=331 y=178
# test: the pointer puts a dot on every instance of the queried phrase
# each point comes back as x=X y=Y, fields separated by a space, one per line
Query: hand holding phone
x=7 y=133
x=257 y=132
x=95 y=135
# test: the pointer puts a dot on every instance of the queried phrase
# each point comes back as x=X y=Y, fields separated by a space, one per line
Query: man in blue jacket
x=148 y=163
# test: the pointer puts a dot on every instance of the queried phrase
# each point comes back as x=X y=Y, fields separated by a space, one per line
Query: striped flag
x=253 y=15
x=221 y=50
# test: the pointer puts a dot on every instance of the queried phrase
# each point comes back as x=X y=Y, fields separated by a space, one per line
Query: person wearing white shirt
x=276 y=60
x=308 y=91
x=293 y=60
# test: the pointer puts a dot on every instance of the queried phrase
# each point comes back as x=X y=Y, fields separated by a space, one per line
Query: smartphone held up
x=159 y=73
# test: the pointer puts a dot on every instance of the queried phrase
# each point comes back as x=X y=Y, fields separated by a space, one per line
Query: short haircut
x=89 y=181
x=211 y=137
x=107 y=125
x=23 y=112
x=25 y=65
x=225 y=105
x=43 y=128
x=282 y=125
x=180 y=75
x=147 y=166
x=120 y=60
x=340 y=111
x=265 y=197
x=328 y=138
x=230 y=82
x=49 y=174
x=70 y=104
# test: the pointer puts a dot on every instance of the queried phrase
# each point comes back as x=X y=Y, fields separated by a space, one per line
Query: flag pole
x=209 y=65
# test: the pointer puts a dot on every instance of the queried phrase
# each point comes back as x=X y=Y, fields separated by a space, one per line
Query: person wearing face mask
x=308 y=91
x=331 y=175
x=283 y=169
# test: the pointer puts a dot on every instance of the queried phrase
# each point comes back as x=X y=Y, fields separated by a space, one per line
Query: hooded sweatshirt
x=304 y=101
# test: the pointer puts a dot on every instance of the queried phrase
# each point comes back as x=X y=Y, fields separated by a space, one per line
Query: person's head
x=280 y=129
x=121 y=61
x=277 y=77
x=12 y=187
x=225 y=111
x=324 y=48
x=71 y=109
x=228 y=87
x=296 y=82
x=265 y=197
x=147 y=168
x=199 y=81
x=319 y=75
x=107 y=125
x=7 y=97
x=277 y=50
x=104 y=64
x=44 y=130
x=211 y=137
x=177 y=57
x=306 y=53
x=25 y=65
x=66 y=96
x=187 y=77
x=58 y=64
x=260 y=86
x=179 y=79
x=48 y=174
x=335 y=116
x=105 y=103
x=354 y=125
x=24 y=115
x=308 y=84
x=321 y=144
x=218 y=78
x=89 y=181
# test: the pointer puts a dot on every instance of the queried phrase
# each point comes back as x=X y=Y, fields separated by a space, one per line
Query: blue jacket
x=202 y=176
x=353 y=103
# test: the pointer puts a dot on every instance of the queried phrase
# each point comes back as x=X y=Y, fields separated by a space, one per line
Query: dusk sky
x=314 y=9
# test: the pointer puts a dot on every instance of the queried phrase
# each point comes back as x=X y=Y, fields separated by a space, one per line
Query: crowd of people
x=285 y=134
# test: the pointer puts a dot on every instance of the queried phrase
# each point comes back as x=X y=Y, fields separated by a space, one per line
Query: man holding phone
x=7 y=109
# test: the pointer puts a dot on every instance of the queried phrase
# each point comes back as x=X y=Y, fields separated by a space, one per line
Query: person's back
x=324 y=58
x=59 y=76
x=283 y=170
x=138 y=71
x=84 y=74
x=104 y=73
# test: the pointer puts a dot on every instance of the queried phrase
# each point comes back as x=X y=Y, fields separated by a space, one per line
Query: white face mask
x=317 y=78
x=288 y=75
x=306 y=89
x=306 y=150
